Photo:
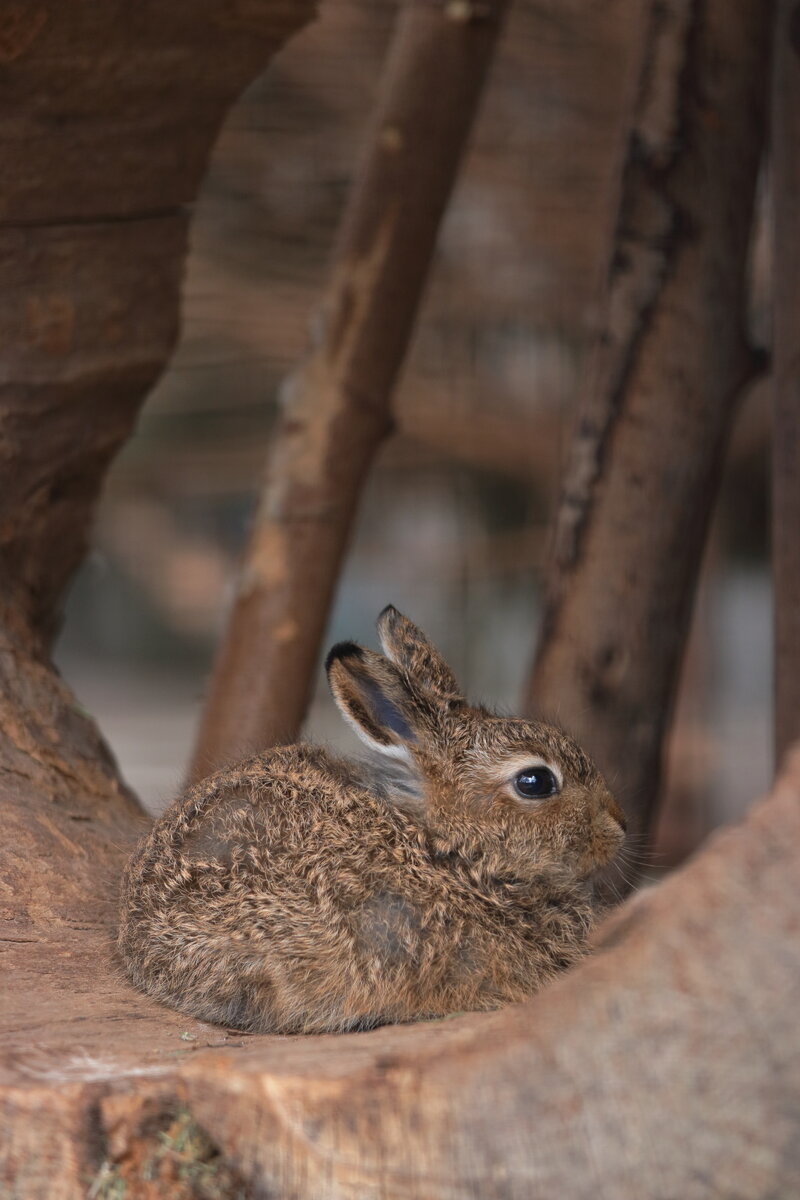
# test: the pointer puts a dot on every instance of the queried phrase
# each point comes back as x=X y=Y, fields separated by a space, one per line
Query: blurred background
x=453 y=529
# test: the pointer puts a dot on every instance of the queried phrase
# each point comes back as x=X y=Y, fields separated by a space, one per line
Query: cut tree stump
x=109 y=114
x=667 y=1065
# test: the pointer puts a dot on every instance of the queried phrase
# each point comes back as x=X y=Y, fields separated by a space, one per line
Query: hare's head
x=527 y=781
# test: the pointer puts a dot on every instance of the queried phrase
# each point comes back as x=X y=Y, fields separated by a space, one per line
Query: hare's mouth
x=603 y=853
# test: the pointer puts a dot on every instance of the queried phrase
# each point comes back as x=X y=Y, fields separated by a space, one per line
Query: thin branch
x=336 y=406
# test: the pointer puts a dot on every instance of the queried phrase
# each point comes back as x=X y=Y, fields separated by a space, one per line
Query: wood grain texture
x=110 y=113
x=667 y=1065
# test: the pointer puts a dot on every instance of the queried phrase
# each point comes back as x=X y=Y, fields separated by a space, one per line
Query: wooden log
x=786 y=373
x=666 y=1065
x=636 y=1075
x=336 y=406
x=653 y=421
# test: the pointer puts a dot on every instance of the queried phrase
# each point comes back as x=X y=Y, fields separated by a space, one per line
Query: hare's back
x=283 y=819
x=293 y=802
x=262 y=875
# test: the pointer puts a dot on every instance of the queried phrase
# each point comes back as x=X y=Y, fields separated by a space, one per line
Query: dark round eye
x=534 y=783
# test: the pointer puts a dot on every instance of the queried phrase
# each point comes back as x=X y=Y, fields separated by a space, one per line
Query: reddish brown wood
x=109 y=114
x=653 y=422
x=786 y=373
x=665 y=1066
x=336 y=406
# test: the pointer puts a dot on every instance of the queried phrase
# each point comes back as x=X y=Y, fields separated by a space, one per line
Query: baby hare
x=299 y=892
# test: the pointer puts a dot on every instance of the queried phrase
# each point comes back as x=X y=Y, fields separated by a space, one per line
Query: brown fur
x=299 y=892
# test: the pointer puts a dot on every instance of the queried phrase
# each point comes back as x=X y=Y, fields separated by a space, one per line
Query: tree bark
x=786 y=374
x=653 y=422
x=336 y=406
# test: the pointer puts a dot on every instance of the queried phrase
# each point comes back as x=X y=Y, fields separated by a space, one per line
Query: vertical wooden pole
x=786 y=373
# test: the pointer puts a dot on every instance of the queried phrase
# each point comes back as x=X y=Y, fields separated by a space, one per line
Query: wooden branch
x=653 y=422
x=108 y=129
x=336 y=406
x=786 y=373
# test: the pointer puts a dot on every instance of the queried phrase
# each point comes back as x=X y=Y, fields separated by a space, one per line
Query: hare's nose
x=617 y=813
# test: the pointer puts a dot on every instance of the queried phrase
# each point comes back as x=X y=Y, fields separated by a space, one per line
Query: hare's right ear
x=371 y=695
x=407 y=646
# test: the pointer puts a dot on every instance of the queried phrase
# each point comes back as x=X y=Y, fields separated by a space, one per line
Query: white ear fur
x=396 y=776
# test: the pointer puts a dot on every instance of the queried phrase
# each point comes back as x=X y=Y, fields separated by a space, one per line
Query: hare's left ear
x=407 y=646
x=372 y=697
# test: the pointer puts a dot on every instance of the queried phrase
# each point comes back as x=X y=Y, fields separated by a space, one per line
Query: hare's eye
x=535 y=783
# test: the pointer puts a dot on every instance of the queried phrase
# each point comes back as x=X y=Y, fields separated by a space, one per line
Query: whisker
x=626 y=879
x=613 y=889
x=641 y=860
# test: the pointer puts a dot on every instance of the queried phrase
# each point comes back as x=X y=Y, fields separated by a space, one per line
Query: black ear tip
x=343 y=650
x=389 y=611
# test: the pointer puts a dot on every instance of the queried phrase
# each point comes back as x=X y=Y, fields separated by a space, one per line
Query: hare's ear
x=407 y=646
x=372 y=696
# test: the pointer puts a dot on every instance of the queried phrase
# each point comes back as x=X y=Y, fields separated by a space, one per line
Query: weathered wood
x=653 y=422
x=109 y=115
x=786 y=373
x=336 y=406
x=88 y=317
x=637 y=1075
x=667 y=1065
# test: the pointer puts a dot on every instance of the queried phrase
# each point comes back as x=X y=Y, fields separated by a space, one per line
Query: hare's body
x=294 y=894
x=274 y=909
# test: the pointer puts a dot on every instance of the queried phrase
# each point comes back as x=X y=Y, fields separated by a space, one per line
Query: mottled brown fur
x=297 y=892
